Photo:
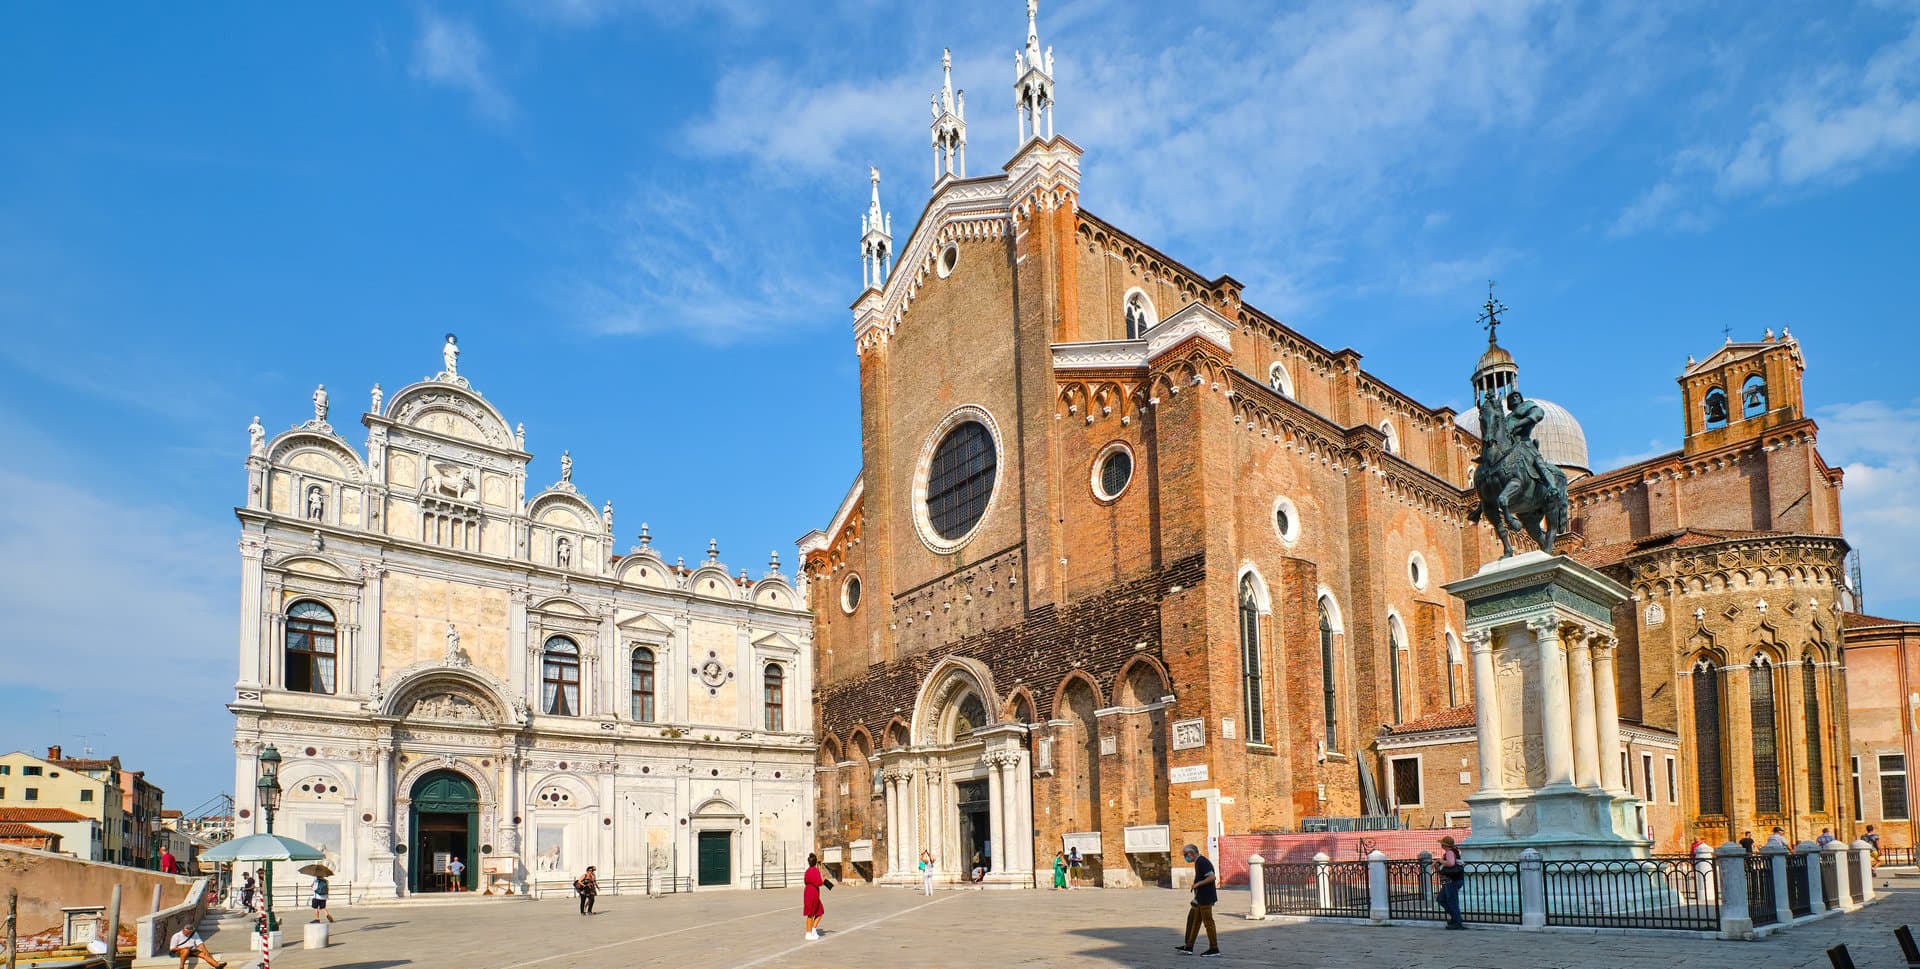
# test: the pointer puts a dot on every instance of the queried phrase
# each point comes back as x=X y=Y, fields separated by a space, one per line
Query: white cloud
x=784 y=127
x=451 y=53
x=1822 y=126
x=1875 y=442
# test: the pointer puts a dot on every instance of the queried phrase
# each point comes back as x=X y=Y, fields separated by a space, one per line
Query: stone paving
x=875 y=928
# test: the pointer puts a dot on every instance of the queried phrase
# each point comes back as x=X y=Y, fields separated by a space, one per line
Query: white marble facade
x=415 y=624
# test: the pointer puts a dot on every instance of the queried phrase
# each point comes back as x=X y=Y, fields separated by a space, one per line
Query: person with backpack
x=1453 y=874
x=587 y=886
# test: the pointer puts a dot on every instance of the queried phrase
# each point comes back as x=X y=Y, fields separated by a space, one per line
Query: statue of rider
x=1523 y=416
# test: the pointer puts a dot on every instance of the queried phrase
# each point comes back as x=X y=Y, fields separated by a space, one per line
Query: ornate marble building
x=454 y=664
x=1129 y=562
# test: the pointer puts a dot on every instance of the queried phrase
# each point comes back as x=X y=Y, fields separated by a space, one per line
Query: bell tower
x=1742 y=390
x=1033 y=83
x=949 y=125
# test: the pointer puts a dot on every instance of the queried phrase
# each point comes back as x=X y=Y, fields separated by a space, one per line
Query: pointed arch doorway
x=444 y=825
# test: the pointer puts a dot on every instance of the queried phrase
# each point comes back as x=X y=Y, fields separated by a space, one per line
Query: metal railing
x=1334 y=888
x=1489 y=892
x=1894 y=858
x=1799 y=898
x=1652 y=893
x=1366 y=822
x=1762 y=905
x=1829 y=880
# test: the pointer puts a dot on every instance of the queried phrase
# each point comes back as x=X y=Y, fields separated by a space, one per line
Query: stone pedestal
x=1541 y=627
x=316 y=935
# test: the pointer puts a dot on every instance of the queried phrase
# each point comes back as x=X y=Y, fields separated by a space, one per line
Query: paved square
x=873 y=927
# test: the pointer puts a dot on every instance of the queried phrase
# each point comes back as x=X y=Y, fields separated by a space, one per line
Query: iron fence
x=1652 y=893
x=1337 y=888
x=1829 y=880
x=1856 y=886
x=1894 y=858
x=1799 y=897
x=1762 y=906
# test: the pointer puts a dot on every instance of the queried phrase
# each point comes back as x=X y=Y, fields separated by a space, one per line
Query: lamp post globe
x=267 y=789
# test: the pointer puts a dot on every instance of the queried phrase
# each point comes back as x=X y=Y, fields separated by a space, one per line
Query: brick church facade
x=1130 y=563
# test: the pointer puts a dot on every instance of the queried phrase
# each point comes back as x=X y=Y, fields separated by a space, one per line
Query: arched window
x=1714 y=408
x=1766 y=749
x=1816 y=741
x=1330 y=711
x=1753 y=396
x=1393 y=437
x=1139 y=312
x=1280 y=380
x=310 y=647
x=1706 y=736
x=776 y=688
x=1456 y=670
x=1250 y=658
x=643 y=684
x=1396 y=644
x=560 y=677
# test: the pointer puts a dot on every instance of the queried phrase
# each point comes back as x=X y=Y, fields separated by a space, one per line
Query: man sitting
x=187 y=943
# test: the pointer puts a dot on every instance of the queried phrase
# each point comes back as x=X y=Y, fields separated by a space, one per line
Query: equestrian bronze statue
x=1517 y=486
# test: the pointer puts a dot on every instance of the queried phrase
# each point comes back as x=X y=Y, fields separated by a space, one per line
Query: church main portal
x=445 y=827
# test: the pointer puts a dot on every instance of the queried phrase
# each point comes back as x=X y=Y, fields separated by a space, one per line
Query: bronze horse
x=1508 y=482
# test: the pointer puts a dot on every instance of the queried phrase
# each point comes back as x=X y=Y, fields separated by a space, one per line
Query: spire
x=949 y=125
x=1496 y=372
x=1033 y=82
x=876 y=239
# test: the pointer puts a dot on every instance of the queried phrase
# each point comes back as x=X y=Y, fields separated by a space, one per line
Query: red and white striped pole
x=266 y=937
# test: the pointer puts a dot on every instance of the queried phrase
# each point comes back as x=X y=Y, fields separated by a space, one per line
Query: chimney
x=53 y=753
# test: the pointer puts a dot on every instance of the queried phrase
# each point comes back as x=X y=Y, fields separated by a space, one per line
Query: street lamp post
x=268 y=790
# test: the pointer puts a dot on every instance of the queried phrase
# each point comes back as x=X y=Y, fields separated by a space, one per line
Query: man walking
x=1778 y=838
x=1200 y=911
x=1746 y=842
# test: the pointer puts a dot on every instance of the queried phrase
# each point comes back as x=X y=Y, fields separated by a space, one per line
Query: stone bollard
x=1842 y=891
x=1533 y=890
x=1377 y=885
x=1736 y=922
x=1703 y=872
x=317 y=935
x=1816 y=896
x=1322 y=879
x=1776 y=856
x=1862 y=855
x=1426 y=876
x=1257 y=887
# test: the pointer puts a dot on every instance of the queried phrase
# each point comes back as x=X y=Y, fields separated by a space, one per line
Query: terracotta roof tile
x=1856 y=620
x=10 y=829
x=40 y=814
x=1452 y=718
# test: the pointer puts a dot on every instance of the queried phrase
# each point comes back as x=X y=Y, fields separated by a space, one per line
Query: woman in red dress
x=810 y=897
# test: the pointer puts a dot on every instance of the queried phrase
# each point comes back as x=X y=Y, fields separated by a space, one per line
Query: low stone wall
x=48 y=882
x=153 y=931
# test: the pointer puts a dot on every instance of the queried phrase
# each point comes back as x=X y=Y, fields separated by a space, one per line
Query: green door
x=716 y=858
x=445 y=820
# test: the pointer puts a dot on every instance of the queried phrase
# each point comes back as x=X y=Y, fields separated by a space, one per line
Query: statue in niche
x=320 y=404
x=454 y=655
x=450 y=355
x=378 y=397
x=566 y=466
x=256 y=437
x=316 y=503
x=563 y=553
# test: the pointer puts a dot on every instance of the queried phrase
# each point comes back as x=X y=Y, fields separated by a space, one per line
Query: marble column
x=1586 y=739
x=891 y=788
x=936 y=818
x=1023 y=812
x=996 y=811
x=1607 y=714
x=252 y=610
x=1010 y=811
x=1486 y=710
x=1556 y=720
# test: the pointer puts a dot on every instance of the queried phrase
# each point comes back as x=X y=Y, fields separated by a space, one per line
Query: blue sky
x=642 y=220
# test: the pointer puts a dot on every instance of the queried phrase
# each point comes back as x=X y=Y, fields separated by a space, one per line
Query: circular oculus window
x=954 y=486
x=1286 y=520
x=850 y=594
x=1112 y=471
x=949 y=258
x=1417 y=570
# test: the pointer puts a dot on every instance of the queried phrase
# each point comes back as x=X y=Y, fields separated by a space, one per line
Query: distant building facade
x=1883 y=686
x=86 y=787
x=454 y=664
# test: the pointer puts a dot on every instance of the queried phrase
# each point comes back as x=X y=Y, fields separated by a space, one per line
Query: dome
x=1496 y=356
x=1559 y=436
